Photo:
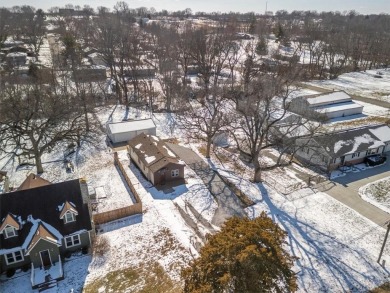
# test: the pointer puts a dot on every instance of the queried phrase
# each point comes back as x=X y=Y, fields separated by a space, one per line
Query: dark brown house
x=156 y=161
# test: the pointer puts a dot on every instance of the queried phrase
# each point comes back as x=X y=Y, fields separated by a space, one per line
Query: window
x=175 y=173
x=371 y=152
x=69 y=217
x=72 y=240
x=14 y=257
x=308 y=150
x=355 y=155
x=325 y=159
x=10 y=232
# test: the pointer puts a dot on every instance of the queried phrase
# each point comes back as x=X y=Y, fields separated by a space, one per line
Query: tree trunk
x=85 y=113
x=38 y=163
x=257 y=172
x=208 y=148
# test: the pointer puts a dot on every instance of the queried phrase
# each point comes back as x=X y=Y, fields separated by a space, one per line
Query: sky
x=258 y=6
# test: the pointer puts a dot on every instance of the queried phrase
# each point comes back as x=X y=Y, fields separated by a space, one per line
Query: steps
x=51 y=284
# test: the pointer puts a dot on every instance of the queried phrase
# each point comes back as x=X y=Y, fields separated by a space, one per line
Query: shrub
x=101 y=245
x=84 y=250
x=10 y=273
x=26 y=267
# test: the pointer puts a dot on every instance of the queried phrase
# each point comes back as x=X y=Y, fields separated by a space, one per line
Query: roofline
x=40 y=238
x=323 y=94
x=352 y=129
x=129 y=121
x=40 y=223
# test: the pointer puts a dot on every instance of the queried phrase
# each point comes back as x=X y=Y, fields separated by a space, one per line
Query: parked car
x=375 y=160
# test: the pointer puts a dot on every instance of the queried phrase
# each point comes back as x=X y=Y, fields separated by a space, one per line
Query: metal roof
x=129 y=126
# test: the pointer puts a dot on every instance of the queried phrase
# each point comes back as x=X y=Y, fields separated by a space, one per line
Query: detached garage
x=124 y=131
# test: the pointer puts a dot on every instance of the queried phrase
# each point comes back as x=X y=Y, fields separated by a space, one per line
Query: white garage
x=340 y=110
x=124 y=131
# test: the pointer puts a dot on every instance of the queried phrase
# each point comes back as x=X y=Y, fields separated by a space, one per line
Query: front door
x=45 y=258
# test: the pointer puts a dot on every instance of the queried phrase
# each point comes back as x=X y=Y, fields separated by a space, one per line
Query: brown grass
x=167 y=240
x=384 y=288
x=365 y=121
x=203 y=150
x=146 y=278
x=101 y=245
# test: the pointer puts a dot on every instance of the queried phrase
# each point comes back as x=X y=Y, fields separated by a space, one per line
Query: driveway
x=228 y=203
x=346 y=190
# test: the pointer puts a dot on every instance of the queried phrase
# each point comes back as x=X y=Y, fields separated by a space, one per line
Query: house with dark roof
x=156 y=161
x=344 y=148
x=40 y=223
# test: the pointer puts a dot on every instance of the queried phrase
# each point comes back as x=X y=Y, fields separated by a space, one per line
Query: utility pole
x=384 y=241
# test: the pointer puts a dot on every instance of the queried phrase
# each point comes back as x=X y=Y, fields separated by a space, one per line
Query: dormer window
x=68 y=212
x=10 y=226
x=9 y=232
x=69 y=217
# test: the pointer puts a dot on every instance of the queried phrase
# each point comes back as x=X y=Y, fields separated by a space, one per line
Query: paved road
x=228 y=203
x=346 y=190
x=355 y=97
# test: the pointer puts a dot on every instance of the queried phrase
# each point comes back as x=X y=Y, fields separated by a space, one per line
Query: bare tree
x=34 y=120
x=259 y=107
x=35 y=30
x=203 y=120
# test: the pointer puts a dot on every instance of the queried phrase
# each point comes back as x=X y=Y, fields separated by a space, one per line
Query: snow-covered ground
x=337 y=248
x=377 y=193
x=361 y=83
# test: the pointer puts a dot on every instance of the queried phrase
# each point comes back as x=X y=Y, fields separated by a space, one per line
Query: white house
x=347 y=147
x=126 y=130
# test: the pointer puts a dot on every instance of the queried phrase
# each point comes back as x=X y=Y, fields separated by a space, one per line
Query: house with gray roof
x=155 y=160
x=344 y=148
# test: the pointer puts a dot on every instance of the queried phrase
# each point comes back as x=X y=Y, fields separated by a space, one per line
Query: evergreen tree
x=245 y=256
x=279 y=32
x=261 y=46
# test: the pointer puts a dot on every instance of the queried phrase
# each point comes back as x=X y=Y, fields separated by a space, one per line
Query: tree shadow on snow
x=320 y=249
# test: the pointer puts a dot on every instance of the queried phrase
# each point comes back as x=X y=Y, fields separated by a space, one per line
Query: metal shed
x=124 y=131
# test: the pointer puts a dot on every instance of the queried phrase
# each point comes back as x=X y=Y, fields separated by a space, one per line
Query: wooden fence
x=127 y=179
x=117 y=214
x=124 y=212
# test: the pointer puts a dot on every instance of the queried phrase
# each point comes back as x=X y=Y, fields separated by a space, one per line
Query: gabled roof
x=152 y=151
x=67 y=207
x=328 y=98
x=33 y=181
x=9 y=220
x=350 y=141
x=41 y=233
x=41 y=203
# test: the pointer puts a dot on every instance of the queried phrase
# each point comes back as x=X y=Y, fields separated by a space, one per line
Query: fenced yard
x=116 y=214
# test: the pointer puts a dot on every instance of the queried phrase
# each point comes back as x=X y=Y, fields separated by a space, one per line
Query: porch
x=46 y=277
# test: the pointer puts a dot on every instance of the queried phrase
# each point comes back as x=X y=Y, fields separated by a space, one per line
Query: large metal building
x=332 y=104
x=124 y=131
